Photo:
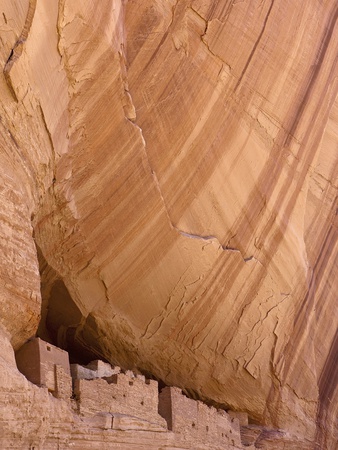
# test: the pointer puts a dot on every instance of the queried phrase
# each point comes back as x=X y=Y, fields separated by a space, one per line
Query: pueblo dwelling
x=122 y=401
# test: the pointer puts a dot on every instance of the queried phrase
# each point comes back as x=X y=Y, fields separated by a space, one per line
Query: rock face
x=169 y=174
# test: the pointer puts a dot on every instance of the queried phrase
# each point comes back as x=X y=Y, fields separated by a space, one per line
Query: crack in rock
x=205 y=42
x=225 y=248
x=128 y=104
x=130 y=114
x=206 y=238
x=253 y=51
x=17 y=49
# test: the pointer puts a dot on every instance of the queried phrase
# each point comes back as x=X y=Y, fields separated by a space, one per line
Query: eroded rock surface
x=175 y=162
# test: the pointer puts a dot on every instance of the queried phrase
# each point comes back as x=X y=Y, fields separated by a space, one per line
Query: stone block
x=125 y=422
x=36 y=359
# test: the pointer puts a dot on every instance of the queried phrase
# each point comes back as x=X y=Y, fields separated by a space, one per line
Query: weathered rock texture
x=175 y=162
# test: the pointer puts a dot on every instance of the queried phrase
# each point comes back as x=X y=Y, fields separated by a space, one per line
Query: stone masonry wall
x=63 y=383
x=119 y=393
x=37 y=359
x=107 y=399
x=194 y=419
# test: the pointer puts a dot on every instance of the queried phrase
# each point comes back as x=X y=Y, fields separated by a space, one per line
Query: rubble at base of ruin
x=105 y=398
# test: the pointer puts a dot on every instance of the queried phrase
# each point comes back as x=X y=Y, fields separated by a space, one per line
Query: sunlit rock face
x=175 y=162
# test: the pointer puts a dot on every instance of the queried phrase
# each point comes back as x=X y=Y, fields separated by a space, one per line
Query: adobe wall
x=49 y=357
x=28 y=361
x=119 y=393
x=37 y=360
x=128 y=402
x=195 y=420
x=63 y=383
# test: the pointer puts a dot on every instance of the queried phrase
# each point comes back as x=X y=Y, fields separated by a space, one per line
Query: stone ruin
x=117 y=392
x=108 y=398
x=46 y=366
x=194 y=418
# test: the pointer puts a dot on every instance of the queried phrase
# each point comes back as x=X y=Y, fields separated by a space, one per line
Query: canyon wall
x=169 y=176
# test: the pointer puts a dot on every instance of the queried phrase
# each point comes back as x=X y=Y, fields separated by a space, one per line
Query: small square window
x=49 y=349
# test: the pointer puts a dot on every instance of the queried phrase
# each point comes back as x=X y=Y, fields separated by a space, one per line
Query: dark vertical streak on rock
x=164 y=37
x=225 y=9
x=317 y=273
x=17 y=50
x=253 y=51
x=314 y=73
x=275 y=165
x=327 y=389
x=316 y=298
x=267 y=182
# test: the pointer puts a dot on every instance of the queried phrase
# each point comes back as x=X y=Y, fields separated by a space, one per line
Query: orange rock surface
x=169 y=174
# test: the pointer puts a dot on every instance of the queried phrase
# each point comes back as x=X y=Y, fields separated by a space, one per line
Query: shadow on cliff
x=61 y=318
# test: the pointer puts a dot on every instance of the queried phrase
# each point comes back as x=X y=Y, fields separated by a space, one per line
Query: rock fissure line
x=132 y=119
x=260 y=320
x=164 y=37
x=225 y=248
x=205 y=42
x=255 y=46
x=17 y=49
x=246 y=364
x=153 y=173
x=207 y=238
x=165 y=309
x=314 y=73
x=244 y=308
x=59 y=26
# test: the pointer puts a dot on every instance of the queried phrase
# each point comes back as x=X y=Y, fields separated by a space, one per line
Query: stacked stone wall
x=119 y=393
x=195 y=420
x=109 y=399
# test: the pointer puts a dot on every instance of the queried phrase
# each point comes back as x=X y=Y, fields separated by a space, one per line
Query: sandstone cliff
x=169 y=176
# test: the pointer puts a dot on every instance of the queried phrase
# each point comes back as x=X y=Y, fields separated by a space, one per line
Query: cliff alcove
x=61 y=318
